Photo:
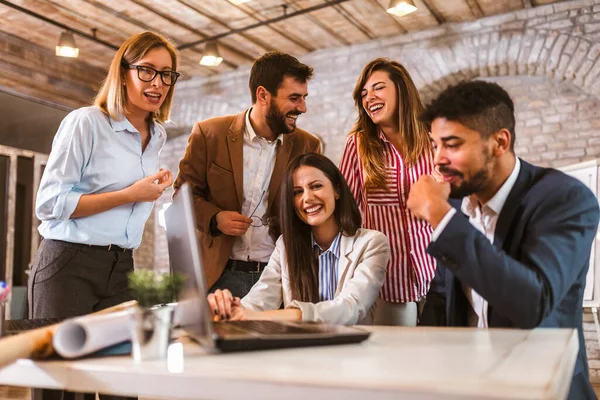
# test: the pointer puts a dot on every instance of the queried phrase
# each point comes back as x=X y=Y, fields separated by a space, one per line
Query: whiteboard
x=587 y=172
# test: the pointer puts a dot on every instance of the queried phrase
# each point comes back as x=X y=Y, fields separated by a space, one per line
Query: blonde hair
x=112 y=96
x=414 y=133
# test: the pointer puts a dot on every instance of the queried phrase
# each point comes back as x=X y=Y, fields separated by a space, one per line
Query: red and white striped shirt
x=410 y=269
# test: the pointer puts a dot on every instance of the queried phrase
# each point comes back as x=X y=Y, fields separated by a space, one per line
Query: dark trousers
x=68 y=280
x=239 y=283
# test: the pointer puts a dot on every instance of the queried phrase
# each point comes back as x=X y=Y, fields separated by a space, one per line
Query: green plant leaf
x=150 y=288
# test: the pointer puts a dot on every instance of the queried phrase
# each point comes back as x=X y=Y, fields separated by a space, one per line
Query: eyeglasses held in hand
x=257 y=221
x=147 y=74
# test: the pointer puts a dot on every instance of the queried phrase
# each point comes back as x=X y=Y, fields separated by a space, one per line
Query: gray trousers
x=69 y=280
x=239 y=283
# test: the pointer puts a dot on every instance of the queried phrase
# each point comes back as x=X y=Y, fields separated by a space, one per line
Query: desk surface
x=415 y=363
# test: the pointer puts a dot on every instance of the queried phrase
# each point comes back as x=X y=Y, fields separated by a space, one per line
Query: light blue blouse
x=328 y=268
x=92 y=153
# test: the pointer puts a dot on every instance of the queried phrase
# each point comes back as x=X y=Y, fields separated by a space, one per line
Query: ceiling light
x=236 y=2
x=400 y=8
x=66 y=46
x=211 y=56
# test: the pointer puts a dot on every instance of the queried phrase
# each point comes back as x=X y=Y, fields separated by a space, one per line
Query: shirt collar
x=125 y=125
x=250 y=133
x=469 y=203
x=333 y=249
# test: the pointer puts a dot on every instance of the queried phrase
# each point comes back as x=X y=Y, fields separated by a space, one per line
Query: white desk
x=407 y=363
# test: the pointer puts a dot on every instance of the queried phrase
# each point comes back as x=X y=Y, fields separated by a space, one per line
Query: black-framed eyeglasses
x=257 y=221
x=147 y=74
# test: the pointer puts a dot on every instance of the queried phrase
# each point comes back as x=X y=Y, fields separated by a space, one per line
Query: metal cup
x=150 y=332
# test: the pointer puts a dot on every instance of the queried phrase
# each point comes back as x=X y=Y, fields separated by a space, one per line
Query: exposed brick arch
x=568 y=57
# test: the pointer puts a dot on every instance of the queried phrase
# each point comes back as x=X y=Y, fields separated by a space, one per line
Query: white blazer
x=361 y=273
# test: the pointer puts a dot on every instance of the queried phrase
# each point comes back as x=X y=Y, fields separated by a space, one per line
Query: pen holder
x=150 y=332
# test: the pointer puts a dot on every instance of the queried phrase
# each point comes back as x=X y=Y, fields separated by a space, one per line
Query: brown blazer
x=212 y=165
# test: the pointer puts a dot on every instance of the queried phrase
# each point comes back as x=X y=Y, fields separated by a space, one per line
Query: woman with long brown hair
x=387 y=151
x=324 y=267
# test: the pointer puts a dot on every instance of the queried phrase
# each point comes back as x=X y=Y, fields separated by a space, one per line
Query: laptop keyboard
x=264 y=327
x=14 y=326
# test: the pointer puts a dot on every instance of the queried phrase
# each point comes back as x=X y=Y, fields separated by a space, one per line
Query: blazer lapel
x=235 y=142
x=510 y=208
x=284 y=150
x=344 y=263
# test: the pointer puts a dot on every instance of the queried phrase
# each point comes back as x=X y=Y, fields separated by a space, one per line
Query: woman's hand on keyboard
x=221 y=303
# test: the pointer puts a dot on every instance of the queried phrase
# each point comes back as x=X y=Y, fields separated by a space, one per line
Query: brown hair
x=112 y=96
x=269 y=70
x=415 y=137
x=302 y=262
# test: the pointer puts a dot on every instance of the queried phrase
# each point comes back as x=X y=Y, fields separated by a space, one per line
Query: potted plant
x=152 y=320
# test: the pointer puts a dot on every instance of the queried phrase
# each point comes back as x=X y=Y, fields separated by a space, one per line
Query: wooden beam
x=475 y=9
x=58 y=24
x=434 y=11
x=391 y=17
x=219 y=21
x=528 y=4
x=250 y=12
x=175 y=21
x=10 y=229
x=350 y=18
x=299 y=11
x=36 y=71
x=323 y=26
x=144 y=26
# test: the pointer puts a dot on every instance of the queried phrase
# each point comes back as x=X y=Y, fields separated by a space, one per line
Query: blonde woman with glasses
x=386 y=152
x=100 y=184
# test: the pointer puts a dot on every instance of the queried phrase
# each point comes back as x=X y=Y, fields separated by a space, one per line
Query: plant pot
x=150 y=332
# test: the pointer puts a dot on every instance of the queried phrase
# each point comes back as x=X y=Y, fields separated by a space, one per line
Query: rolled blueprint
x=85 y=335
x=37 y=343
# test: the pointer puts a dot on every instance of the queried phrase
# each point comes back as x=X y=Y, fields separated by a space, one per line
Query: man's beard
x=276 y=120
x=468 y=187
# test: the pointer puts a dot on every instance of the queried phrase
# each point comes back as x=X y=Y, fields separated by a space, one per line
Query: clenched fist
x=428 y=199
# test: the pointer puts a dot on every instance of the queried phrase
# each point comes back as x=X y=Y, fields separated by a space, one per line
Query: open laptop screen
x=185 y=258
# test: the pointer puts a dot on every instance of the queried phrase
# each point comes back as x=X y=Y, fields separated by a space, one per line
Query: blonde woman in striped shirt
x=324 y=267
x=386 y=152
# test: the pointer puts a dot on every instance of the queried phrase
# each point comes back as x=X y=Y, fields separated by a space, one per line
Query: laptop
x=16 y=326
x=226 y=336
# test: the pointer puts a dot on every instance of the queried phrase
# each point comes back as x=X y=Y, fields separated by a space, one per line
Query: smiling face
x=287 y=105
x=314 y=197
x=462 y=156
x=380 y=98
x=147 y=97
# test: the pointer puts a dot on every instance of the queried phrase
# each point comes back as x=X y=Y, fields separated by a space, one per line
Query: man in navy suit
x=513 y=250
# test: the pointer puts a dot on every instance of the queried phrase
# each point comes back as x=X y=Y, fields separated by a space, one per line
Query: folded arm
x=555 y=248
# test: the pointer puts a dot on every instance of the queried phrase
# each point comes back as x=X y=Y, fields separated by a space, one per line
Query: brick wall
x=546 y=57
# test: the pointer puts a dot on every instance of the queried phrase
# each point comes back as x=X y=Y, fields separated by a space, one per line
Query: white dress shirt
x=484 y=218
x=259 y=160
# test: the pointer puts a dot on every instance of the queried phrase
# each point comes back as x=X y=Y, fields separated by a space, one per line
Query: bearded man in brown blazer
x=234 y=165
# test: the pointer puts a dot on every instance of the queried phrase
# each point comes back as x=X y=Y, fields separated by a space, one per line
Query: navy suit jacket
x=533 y=275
